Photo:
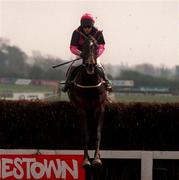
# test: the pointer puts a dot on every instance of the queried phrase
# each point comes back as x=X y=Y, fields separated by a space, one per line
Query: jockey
x=87 y=29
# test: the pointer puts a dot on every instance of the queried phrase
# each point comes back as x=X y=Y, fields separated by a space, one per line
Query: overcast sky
x=135 y=31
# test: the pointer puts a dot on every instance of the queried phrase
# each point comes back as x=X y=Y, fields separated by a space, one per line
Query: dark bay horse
x=89 y=96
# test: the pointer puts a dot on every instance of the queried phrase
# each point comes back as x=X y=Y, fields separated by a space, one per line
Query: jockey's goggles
x=85 y=27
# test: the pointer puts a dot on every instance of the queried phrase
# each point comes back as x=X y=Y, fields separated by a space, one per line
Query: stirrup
x=108 y=87
x=66 y=87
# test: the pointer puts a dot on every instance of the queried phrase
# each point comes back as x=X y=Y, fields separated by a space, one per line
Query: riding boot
x=70 y=77
x=107 y=81
x=67 y=84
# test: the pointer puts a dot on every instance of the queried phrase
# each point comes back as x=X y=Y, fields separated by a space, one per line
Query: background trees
x=15 y=63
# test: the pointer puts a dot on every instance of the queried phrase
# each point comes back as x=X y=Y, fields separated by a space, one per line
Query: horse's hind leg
x=85 y=137
x=99 y=116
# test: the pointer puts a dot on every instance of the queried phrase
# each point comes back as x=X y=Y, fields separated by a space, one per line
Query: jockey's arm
x=101 y=49
x=75 y=50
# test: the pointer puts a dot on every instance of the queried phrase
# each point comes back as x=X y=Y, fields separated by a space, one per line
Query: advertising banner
x=41 y=167
x=28 y=96
x=123 y=83
x=23 y=81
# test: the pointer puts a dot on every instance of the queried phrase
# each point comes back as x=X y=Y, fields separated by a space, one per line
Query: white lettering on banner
x=35 y=174
x=6 y=163
x=18 y=163
x=28 y=161
x=65 y=167
x=51 y=166
x=32 y=168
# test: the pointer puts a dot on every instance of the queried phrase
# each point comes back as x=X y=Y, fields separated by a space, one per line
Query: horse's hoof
x=86 y=163
x=97 y=162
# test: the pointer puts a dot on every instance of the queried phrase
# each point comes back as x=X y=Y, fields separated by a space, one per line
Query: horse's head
x=89 y=55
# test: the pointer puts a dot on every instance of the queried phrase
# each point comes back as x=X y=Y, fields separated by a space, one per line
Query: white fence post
x=146 y=165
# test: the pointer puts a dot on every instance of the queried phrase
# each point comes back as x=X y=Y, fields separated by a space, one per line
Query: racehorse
x=89 y=96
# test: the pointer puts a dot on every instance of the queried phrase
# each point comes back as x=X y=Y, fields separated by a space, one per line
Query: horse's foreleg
x=99 y=117
x=85 y=137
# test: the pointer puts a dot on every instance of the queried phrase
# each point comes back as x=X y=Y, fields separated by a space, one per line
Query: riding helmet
x=87 y=20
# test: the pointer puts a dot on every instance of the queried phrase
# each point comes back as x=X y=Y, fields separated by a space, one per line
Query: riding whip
x=54 y=66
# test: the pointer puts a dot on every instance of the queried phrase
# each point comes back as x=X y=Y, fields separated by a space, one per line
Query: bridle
x=89 y=62
x=90 y=55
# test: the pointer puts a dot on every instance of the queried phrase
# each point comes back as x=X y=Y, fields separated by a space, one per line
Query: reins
x=94 y=39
